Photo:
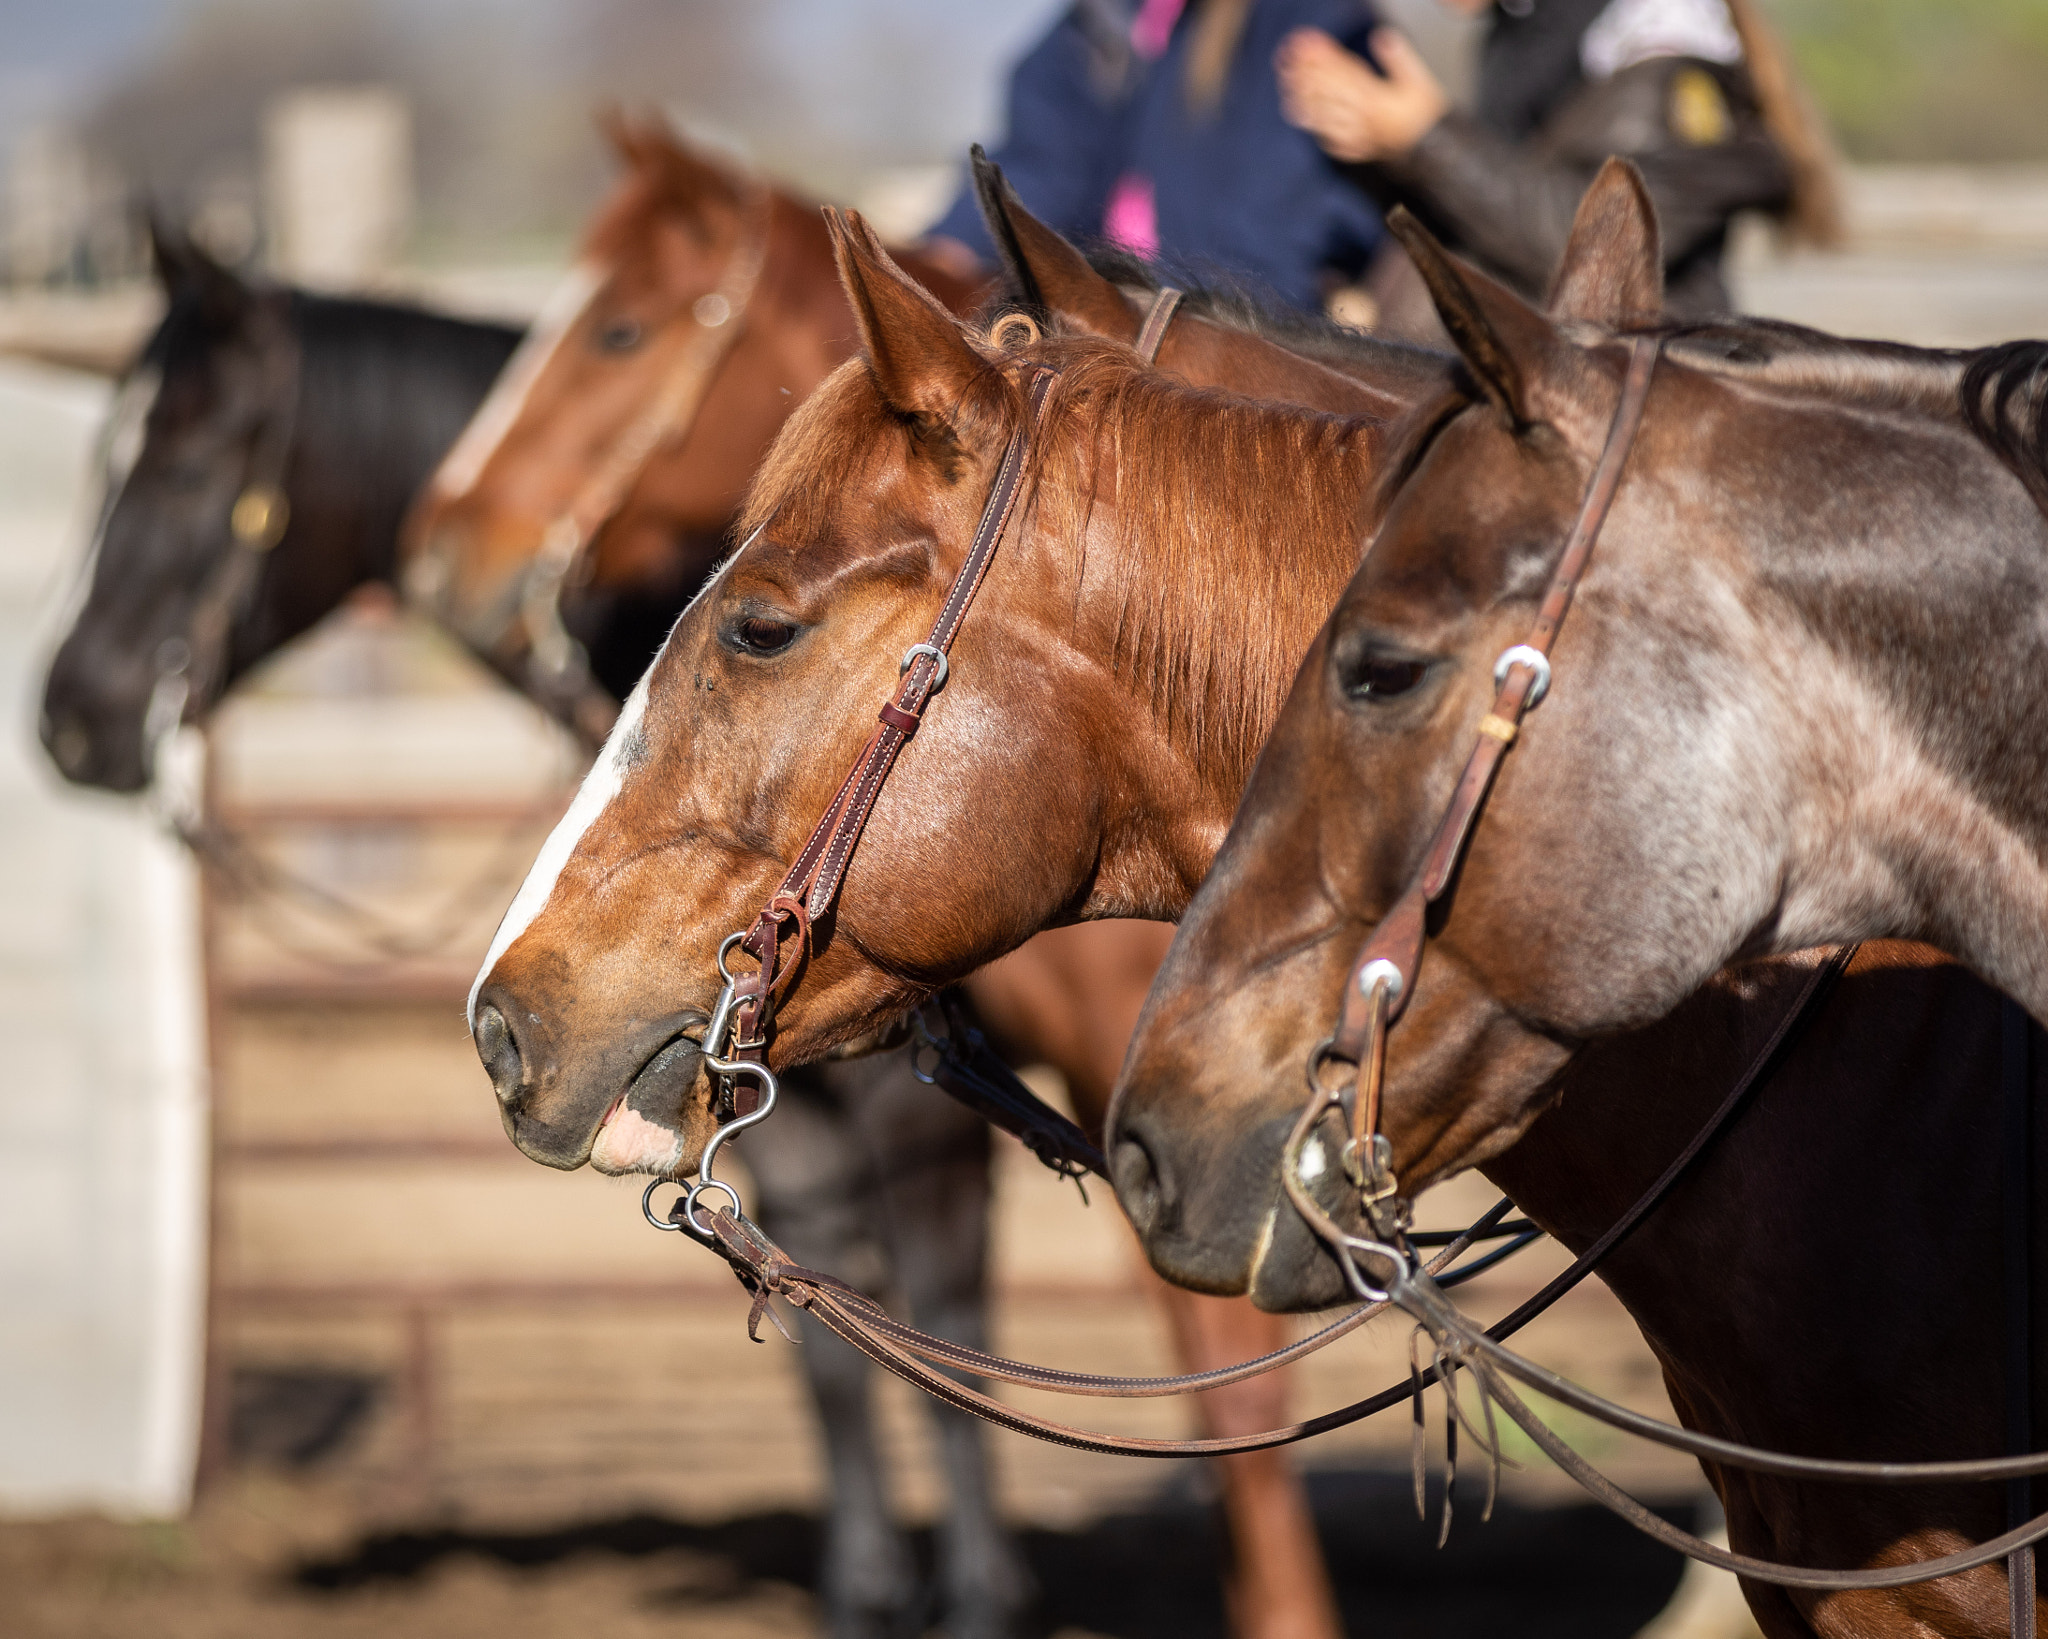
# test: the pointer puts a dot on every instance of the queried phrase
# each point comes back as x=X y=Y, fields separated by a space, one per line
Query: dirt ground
x=267 y=1558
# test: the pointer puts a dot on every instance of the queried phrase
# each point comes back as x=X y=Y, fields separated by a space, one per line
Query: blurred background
x=291 y=1340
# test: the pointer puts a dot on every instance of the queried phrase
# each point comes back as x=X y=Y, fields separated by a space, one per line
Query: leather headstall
x=1158 y=317
x=1382 y=978
x=810 y=887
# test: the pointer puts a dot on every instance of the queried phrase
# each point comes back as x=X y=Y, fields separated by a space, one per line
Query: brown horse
x=1795 y=701
x=537 y=455
x=1137 y=595
x=607 y=465
x=1073 y=745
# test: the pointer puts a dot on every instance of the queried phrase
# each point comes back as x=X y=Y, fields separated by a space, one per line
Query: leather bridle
x=192 y=670
x=1382 y=977
x=779 y=939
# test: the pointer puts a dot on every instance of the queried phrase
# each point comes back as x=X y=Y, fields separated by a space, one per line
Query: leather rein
x=736 y=1040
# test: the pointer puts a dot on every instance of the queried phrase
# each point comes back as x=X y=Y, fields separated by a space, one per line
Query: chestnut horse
x=606 y=467
x=263 y=451
x=1121 y=665
x=1797 y=700
x=552 y=458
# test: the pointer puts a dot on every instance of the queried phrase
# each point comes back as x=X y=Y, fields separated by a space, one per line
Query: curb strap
x=1382 y=978
x=811 y=886
x=1157 y=318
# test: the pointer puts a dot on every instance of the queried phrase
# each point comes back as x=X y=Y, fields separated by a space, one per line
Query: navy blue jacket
x=1238 y=191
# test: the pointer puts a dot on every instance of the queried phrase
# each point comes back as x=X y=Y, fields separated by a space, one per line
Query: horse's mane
x=1221 y=505
x=389 y=385
x=2005 y=400
x=1238 y=305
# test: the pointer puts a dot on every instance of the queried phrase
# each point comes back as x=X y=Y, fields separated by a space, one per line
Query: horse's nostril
x=499 y=1051
x=1139 y=1186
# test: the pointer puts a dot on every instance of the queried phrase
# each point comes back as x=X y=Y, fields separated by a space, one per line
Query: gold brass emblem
x=1699 y=111
x=259 y=518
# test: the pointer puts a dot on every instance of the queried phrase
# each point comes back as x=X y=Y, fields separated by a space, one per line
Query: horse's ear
x=1612 y=272
x=921 y=359
x=189 y=275
x=1048 y=273
x=170 y=252
x=1502 y=339
x=689 y=177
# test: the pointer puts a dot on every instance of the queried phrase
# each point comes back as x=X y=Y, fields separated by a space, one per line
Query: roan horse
x=1828 y=1272
x=330 y=414
x=1120 y=667
x=1797 y=701
x=595 y=445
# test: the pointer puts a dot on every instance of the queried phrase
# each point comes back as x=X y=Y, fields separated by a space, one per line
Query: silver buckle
x=1536 y=660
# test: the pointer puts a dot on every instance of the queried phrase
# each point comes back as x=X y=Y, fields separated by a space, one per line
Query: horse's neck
x=1927 y=725
x=1600 y=1147
x=1201 y=601
x=383 y=392
x=1805 y=1211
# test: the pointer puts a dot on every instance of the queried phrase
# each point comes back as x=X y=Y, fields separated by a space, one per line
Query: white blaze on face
x=599 y=786
x=465 y=461
x=606 y=777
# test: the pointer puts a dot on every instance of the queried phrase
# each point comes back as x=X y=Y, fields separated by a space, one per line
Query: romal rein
x=810 y=888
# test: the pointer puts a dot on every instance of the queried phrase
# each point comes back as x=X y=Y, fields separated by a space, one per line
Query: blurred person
x=1157 y=126
x=1696 y=92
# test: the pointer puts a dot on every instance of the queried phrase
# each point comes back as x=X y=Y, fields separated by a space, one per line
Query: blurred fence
x=102 y=1094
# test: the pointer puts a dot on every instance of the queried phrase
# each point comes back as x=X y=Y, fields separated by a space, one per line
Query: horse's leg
x=931 y=1157
x=1071 y=998
x=815 y=1197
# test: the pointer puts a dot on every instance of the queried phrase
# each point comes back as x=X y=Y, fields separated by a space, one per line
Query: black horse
x=265 y=447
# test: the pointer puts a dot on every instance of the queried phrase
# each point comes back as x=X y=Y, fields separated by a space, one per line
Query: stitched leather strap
x=1398 y=938
x=1160 y=315
x=810 y=888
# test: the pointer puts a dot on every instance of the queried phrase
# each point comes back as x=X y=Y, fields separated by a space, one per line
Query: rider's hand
x=1353 y=112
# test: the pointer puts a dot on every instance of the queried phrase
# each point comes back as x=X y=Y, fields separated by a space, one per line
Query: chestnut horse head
x=605 y=468
x=1166 y=565
x=1795 y=703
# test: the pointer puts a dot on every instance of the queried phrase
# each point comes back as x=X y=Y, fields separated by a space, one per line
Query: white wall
x=102 y=1061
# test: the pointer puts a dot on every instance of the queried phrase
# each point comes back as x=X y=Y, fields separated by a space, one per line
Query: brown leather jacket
x=1694 y=129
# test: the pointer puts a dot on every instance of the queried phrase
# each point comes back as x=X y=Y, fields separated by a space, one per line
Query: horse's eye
x=620 y=336
x=1385 y=677
x=756 y=634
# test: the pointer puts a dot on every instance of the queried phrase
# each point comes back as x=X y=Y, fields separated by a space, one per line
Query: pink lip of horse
x=628 y=1142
